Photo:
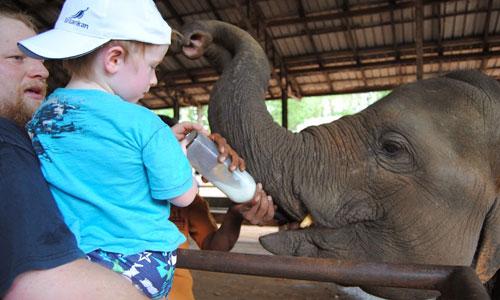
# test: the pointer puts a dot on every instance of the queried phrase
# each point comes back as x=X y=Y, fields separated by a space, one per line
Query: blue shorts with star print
x=151 y=272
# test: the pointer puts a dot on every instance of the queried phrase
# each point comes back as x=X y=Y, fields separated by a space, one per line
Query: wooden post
x=176 y=107
x=419 y=37
x=284 y=96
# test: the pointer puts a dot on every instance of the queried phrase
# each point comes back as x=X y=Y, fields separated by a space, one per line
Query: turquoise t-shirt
x=110 y=165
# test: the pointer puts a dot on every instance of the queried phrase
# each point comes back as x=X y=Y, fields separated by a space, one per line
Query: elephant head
x=414 y=178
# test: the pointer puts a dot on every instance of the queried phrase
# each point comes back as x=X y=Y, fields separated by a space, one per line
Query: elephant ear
x=487 y=258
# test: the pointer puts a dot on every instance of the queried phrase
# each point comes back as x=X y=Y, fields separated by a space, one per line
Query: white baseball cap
x=84 y=25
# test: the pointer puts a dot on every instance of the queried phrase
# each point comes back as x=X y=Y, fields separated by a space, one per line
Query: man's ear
x=114 y=58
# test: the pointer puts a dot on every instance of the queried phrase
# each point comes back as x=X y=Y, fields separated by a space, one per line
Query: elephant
x=412 y=179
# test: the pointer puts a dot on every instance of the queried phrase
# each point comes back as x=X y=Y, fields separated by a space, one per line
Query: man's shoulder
x=12 y=134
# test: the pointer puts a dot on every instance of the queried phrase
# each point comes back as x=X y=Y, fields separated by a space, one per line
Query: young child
x=113 y=166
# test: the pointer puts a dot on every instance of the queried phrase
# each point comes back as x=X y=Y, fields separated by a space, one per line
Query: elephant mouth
x=287 y=222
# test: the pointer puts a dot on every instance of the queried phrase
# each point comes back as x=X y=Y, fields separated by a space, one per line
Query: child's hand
x=225 y=150
x=182 y=129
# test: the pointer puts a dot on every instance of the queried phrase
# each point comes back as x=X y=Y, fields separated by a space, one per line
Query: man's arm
x=258 y=211
x=79 y=279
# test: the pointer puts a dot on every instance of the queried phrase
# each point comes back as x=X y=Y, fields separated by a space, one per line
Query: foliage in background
x=301 y=113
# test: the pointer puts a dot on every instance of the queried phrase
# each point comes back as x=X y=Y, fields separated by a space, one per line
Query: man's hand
x=257 y=211
x=225 y=150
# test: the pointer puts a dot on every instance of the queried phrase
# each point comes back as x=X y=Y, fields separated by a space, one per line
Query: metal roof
x=320 y=47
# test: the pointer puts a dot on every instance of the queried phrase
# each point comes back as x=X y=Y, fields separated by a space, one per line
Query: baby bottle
x=202 y=154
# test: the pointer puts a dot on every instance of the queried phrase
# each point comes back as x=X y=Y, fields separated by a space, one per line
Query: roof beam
x=254 y=32
x=268 y=40
x=350 y=38
x=336 y=29
x=486 y=31
x=347 y=14
x=469 y=44
x=437 y=30
x=397 y=54
x=366 y=66
x=214 y=9
x=342 y=56
x=302 y=14
x=419 y=38
x=173 y=11
x=244 y=21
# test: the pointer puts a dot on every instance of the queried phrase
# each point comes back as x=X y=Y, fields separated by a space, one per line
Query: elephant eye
x=395 y=153
x=391 y=148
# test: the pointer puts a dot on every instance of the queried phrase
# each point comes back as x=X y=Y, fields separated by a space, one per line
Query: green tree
x=301 y=113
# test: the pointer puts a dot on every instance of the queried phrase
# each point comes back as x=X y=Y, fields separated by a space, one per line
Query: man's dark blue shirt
x=33 y=235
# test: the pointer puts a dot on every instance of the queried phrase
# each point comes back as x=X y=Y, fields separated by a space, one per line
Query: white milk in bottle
x=202 y=154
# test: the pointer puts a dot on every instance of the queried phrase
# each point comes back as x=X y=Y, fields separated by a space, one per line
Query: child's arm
x=186 y=198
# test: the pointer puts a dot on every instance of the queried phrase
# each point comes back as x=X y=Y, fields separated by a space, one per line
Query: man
x=39 y=256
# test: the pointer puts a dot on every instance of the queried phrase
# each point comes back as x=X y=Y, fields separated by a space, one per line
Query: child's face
x=138 y=73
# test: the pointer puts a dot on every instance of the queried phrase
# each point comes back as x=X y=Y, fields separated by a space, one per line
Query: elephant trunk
x=237 y=110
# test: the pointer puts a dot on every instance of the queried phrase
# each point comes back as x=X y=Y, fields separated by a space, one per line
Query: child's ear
x=114 y=57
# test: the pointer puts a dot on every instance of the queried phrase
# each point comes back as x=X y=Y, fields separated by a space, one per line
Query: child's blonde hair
x=83 y=66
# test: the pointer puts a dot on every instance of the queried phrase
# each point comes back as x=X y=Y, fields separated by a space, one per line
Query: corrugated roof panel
x=410 y=69
x=495 y=72
x=194 y=90
x=337 y=42
x=282 y=8
x=322 y=26
x=432 y=68
x=408 y=33
x=388 y=72
x=265 y=7
x=303 y=79
x=337 y=76
x=319 y=5
x=186 y=7
x=495 y=62
x=319 y=87
x=369 y=36
x=479 y=20
x=229 y=15
x=387 y=36
x=391 y=72
x=197 y=63
x=288 y=47
x=398 y=27
x=322 y=43
x=458 y=29
x=427 y=68
x=494 y=22
x=477 y=24
x=359 y=39
x=468 y=65
x=450 y=21
x=354 y=75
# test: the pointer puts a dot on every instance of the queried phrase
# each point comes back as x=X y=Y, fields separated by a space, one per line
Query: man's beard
x=18 y=112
